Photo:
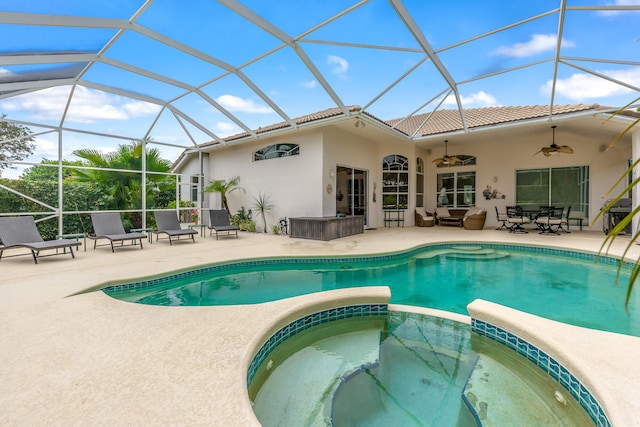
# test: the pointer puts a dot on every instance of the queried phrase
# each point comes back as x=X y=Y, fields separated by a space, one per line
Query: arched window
x=276 y=150
x=395 y=182
x=419 y=182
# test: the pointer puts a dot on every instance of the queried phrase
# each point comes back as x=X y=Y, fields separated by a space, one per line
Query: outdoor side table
x=76 y=236
x=202 y=227
x=148 y=231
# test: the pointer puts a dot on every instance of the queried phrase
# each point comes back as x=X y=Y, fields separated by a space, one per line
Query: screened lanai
x=171 y=77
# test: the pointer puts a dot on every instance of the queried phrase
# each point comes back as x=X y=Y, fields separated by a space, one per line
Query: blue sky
x=360 y=56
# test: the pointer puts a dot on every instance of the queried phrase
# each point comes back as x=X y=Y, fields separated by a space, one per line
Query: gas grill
x=615 y=214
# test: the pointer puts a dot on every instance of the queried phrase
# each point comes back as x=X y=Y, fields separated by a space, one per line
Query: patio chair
x=219 y=223
x=21 y=232
x=167 y=223
x=424 y=219
x=501 y=217
x=108 y=225
x=516 y=218
x=550 y=224
x=474 y=218
x=565 y=221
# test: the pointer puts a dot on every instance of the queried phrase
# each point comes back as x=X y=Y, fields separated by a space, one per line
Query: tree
x=16 y=143
x=124 y=187
x=223 y=187
x=49 y=173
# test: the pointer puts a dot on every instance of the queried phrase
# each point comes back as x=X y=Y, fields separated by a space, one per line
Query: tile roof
x=443 y=121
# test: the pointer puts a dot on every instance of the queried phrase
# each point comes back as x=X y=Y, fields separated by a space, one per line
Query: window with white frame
x=419 y=182
x=194 y=188
x=456 y=189
x=395 y=180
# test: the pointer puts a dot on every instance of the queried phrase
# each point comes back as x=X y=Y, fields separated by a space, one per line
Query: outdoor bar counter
x=326 y=228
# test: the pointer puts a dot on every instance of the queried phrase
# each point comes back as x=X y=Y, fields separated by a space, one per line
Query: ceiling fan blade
x=438 y=161
x=547 y=151
x=565 y=149
x=454 y=159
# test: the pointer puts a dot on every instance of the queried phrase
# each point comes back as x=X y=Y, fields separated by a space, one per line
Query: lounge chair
x=108 y=225
x=424 y=219
x=474 y=218
x=219 y=223
x=167 y=223
x=21 y=232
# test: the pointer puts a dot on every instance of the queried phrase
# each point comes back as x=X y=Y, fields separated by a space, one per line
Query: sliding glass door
x=562 y=187
x=351 y=191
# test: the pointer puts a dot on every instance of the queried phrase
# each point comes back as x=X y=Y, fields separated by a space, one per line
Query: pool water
x=403 y=370
x=564 y=288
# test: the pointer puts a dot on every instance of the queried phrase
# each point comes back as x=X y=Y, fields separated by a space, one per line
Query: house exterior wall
x=498 y=160
x=355 y=151
x=293 y=184
x=297 y=185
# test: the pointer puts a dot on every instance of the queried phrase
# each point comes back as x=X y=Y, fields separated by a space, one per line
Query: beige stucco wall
x=293 y=184
x=355 y=151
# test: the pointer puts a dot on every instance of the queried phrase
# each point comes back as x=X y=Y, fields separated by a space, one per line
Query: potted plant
x=195 y=216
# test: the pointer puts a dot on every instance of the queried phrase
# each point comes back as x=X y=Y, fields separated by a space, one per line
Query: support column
x=635 y=191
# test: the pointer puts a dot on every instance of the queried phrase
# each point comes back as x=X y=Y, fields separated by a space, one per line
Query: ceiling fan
x=553 y=148
x=447 y=159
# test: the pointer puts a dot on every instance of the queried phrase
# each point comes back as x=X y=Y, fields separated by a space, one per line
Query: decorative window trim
x=276 y=151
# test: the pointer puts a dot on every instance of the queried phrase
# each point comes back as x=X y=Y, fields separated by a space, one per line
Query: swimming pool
x=557 y=284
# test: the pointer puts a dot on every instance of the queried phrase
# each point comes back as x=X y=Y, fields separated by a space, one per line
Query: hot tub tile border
x=548 y=364
x=313 y=319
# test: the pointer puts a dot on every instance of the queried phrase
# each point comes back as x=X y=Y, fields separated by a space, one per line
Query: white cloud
x=310 y=84
x=582 y=86
x=619 y=3
x=87 y=105
x=224 y=129
x=235 y=103
x=539 y=43
x=4 y=73
x=478 y=99
x=339 y=65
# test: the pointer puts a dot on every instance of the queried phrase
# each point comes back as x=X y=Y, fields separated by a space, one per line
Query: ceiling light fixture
x=359 y=123
x=447 y=159
x=553 y=148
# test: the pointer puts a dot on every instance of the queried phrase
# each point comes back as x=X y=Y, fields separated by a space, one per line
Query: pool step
x=464 y=252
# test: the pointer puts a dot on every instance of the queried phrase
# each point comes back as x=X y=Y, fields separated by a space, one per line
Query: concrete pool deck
x=90 y=359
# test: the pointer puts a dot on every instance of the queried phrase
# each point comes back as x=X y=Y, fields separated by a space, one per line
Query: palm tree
x=620 y=227
x=125 y=187
x=223 y=187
